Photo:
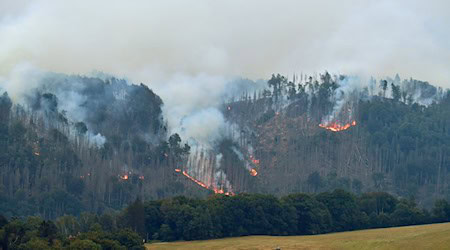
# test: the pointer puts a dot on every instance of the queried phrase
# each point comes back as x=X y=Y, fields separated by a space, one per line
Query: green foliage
x=35 y=243
x=182 y=218
x=83 y=245
x=441 y=211
x=135 y=217
x=343 y=208
x=128 y=238
x=312 y=216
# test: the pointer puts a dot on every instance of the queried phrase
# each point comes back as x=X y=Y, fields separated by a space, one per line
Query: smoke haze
x=150 y=41
x=189 y=52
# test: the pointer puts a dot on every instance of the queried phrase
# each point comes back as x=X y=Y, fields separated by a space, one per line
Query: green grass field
x=436 y=236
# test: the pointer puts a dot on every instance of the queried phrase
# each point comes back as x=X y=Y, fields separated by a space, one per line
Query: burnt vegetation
x=84 y=144
x=395 y=138
x=79 y=144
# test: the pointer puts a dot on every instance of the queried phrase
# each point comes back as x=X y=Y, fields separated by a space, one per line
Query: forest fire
x=336 y=126
x=216 y=190
x=254 y=161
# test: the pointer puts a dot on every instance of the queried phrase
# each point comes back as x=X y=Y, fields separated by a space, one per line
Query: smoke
x=153 y=40
x=97 y=140
x=190 y=52
x=204 y=126
x=342 y=96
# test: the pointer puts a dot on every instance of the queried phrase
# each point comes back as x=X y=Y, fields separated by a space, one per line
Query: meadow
x=434 y=236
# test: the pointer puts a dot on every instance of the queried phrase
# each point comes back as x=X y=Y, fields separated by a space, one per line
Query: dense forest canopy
x=218 y=216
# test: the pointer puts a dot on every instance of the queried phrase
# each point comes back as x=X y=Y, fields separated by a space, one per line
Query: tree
x=441 y=211
x=128 y=238
x=315 y=181
x=384 y=86
x=313 y=217
x=135 y=217
x=78 y=244
x=396 y=94
x=377 y=203
x=165 y=233
x=378 y=179
x=48 y=230
x=406 y=213
x=35 y=243
x=343 y=208
x=3 y=221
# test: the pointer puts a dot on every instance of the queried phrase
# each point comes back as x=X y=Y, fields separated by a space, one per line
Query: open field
x=436 y=236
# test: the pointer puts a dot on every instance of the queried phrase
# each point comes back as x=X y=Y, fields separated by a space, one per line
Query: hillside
x=76 y=143
x=333 y=132
x=436 y=236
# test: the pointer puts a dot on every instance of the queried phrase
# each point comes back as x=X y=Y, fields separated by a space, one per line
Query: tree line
x=218 y=216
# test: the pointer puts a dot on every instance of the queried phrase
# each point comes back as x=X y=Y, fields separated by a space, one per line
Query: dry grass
x=436 y=236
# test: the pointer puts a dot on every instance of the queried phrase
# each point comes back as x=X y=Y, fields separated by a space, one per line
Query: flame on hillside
x=254 y=160
x=124 y=177
x=203 y=185
x=336 y=126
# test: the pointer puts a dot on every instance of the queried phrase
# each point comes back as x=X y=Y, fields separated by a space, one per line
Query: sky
x=157 y=41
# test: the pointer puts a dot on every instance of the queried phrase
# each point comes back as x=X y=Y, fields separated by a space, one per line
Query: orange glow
x=336 y=126
x=253 y=172
x=203 y=185
x=123 y=177
x=254 y=160
x=194 y=180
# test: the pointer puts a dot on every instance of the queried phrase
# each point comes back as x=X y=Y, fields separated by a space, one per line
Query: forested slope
x=396 y=136
x=75 y=143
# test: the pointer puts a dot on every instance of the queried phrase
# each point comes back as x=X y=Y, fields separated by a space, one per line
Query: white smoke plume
x=187 y=51
x=342 y=96
x=97 y=140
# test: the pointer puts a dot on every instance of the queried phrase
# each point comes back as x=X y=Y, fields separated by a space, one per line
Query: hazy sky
x=154 y=40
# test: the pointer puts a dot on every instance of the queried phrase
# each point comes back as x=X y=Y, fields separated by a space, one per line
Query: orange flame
x=254 y=160
x=336 y=127
x=203 y=185
x=123 y=177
